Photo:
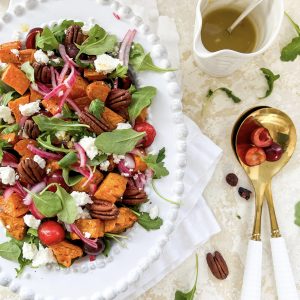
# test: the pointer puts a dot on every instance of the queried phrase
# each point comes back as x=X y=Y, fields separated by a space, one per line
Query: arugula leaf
x=119 y=72
x=68 y=160
x=8 y=97
x=10 y=250
x=48 y=145
x=55 y=64
x=3 y=145
x=297 y=214
x=59 y=30
x=97 y=160
x=70 y=181
x=155 y=163
x=227 y=91
x=107 y=248
x=48 y=203
x=98 y=42
x=140 y=99
x=55 y=124
x=32 y=232
x=118 y=141
x=132 y=89
x=69 y=209
x=141 y=61
x=28 y=70
x=271 y=78
x=291 y=50
x=46 y=40
x=23 y=263
x=179 y=295
x=67 y=113
x=97 y=108
x=11 y=129
x=4 y=88
x=296 y=26
x=146 y=222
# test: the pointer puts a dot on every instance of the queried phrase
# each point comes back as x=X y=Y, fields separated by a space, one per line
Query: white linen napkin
x=203 y=156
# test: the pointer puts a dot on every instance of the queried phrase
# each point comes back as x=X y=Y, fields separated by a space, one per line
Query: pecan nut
x=74 y=35
x=134 y=196
x=42 y=73
x=103 y=210
x=217 y=265
x=96 y=125
x=30 y=172
x=118 y=100
x=31 y=130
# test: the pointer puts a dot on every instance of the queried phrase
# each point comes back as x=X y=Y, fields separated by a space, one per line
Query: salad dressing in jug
x=215 y=36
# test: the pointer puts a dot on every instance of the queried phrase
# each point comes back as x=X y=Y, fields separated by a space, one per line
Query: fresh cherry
x=30 y=38
x=255 y=156
x=51 y=233
x=56 y=177
x=274 y=152
x=94 y=251
x=149 y=130
x=261 y=137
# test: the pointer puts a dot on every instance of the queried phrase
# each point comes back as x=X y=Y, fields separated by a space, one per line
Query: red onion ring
x=90 y=176
x=43 y=153
x=9 y=191
x=22 y=121
x=53 y=77
x=87 y=241
x=82 y=154
x=123 y=46
x=128 y=47
x=73 y=105
x=35 y=189
x=65 y=56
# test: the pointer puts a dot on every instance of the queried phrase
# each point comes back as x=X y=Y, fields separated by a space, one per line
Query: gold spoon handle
x=259 y=191
x=275 y=233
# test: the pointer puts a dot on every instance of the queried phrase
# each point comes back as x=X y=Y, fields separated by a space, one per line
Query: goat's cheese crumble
x=105 y=64
x=30 y=109
x=7 y=175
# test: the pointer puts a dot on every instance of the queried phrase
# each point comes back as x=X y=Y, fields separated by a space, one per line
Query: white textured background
x=217 y=122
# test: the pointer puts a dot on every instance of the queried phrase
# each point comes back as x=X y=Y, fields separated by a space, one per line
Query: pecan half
x=31 y=130
x=103 y=210
x=42 y=73
x=96 y=125
x=134 y=197
x=217 y=265
x=30 y=172
x=74 y=35
x=118 y=100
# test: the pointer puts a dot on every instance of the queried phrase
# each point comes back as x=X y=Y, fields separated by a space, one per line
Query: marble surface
x=235 y=214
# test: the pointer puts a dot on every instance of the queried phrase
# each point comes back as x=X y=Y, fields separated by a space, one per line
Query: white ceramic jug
x=267 y=18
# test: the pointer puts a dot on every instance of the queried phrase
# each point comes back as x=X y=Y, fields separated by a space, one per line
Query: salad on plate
x=73 y=143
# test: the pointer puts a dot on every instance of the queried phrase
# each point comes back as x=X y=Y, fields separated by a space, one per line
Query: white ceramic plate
x=106 y=278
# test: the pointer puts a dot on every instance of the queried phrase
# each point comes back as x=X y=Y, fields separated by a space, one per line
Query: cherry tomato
x=261 y=137
x=51 y=233
x=150 y=132
x=35 y=212
x=255 y=156
x=30 y=38
x=274 y=152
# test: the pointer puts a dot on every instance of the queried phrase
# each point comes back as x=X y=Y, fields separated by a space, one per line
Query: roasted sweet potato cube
x=26 y=55
x=113 y=118
x=79 y=88
x=34 y=95
x=15 y=226
x=15 y=78
x=93 y=75
x=125 y=219
x=14 y=206
x=112 y=188
x=83 y=102
x=11 y=45
x=65 y=252
x=11 y=138
x=140 y=165
x=21 y=148
x=14 y=106
x=80 y=187
x=51 y=105
x=52 y=166
x=7 y=56
x=98 y=90
x=93 y=227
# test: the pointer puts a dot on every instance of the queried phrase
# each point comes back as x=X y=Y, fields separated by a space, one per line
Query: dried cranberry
x=244 y=193
x=232 y=179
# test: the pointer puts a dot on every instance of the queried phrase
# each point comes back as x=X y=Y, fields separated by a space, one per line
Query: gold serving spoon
x=283 y=131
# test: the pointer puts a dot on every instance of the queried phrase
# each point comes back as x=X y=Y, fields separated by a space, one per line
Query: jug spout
x=267 y=16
